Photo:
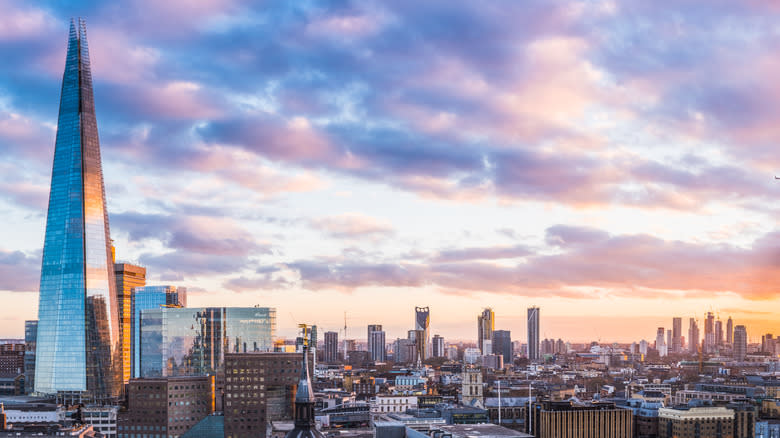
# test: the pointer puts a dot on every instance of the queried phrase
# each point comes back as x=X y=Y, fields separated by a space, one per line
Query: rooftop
x=481 y=430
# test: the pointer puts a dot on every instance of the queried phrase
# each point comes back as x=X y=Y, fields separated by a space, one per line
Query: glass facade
x=128 y=277
x=193 y=341
x=30 y=336
x=78 y=348
x=151 y=297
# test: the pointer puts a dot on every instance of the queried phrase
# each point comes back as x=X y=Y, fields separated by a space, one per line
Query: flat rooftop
x=481 y=431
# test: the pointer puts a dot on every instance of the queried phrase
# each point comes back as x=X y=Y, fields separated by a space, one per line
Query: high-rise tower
x=709 y=333
x=676 y=335
x=693 y=336
x=740 y=342
x=533 y=333
x=78 y=349
x=486 y=323
x=422 y=323
x=128 y=277
x=369 y=339
x=729 y=331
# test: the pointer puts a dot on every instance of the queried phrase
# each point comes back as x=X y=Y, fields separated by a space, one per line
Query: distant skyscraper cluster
x=715 y=341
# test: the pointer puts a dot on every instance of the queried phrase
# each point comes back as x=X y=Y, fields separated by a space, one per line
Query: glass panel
x=193 y=341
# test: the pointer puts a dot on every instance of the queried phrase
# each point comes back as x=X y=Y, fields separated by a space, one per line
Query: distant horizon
x=358 y=332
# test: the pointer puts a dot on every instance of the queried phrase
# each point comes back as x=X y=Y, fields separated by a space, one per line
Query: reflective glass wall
x=193 y=341
x=145 y=298
x=78 y=346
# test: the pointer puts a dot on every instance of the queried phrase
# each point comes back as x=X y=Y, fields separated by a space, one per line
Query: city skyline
x=273 y=157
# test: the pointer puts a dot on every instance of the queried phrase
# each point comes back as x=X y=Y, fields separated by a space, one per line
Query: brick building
x=165 y=407
x=259 y=387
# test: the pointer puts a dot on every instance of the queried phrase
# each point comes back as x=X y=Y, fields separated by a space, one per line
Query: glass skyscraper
x=193 y=341
x=145 y=298
x=78 y=349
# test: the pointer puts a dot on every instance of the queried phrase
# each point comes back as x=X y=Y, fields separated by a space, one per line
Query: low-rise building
x=702 y=422
x=102 y=418
x=573 y=419
x=684 y=396
x=386 y=403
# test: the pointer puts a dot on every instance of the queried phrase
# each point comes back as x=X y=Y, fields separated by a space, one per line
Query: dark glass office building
x=502 y=345
x=30 y=334
x=78 y=349
x=193 y=341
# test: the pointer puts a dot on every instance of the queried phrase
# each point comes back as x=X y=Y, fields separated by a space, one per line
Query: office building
x=371 y=328
x=492 y=361
x=533 y=333
x=128 y=277
x=194 y=341
x=422 y=324
x=719 y=333
x=702 y=422
x=709 y=333
x=30 y=336
x=502 y=345
x=377 y=352
x=730 y=331
x=740 y=342
x=745 y=414
x=438 y=346
x=259 y=387
x=77 y=348
x=165 y=407
x=693 y=336
x=660 y=343
x=768 y=343
x=677 y=335
x=404 y=350
x=146 y=298
x=486 y=323
x=12 y=358
x=103 y=419
x=331 y=352
x=570 y=419
x=643 y=347
x=349 y=345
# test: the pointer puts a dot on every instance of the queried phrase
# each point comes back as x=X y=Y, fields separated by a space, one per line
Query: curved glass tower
x=78 y=350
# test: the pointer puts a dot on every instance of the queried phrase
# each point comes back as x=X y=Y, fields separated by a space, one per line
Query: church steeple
x=305 y=427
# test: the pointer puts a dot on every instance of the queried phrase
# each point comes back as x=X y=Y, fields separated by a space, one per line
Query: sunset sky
x=611 y=162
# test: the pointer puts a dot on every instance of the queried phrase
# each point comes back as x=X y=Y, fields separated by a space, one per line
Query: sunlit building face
x=78 y=349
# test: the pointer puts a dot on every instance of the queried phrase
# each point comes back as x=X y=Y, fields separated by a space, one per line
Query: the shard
x=78 y=351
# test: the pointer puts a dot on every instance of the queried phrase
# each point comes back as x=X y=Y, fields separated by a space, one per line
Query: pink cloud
x=24 y=23
x=352 y=225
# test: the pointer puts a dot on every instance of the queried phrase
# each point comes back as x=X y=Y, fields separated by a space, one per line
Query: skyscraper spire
x=78 y=349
